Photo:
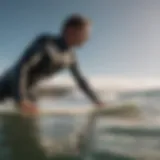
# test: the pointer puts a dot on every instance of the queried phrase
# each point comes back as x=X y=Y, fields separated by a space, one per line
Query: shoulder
x=37 y=43
x=74 y=56
x=45 y=37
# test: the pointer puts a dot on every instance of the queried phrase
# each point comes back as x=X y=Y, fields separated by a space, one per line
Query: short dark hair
x=76 y=21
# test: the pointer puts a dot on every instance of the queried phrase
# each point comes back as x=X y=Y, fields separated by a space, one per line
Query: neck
x=67 y=40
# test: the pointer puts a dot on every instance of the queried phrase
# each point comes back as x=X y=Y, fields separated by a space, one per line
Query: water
x=21 y=139
x=116 y=137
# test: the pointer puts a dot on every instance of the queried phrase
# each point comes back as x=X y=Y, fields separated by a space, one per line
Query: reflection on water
x=45 y=137
x=21 y=138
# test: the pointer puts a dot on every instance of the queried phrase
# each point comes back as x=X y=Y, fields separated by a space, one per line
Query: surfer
x=45 y=56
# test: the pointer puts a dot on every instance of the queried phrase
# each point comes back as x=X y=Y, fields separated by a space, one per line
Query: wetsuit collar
x=62 y=43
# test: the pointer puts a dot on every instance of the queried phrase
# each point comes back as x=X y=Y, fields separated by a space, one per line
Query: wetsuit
x=44 y=57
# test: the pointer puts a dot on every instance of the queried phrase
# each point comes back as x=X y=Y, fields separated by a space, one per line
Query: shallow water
x=30 y=138
x=35 y=138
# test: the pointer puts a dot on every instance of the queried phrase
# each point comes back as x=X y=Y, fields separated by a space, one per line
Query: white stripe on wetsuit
x=24 y=72
x=65 y=58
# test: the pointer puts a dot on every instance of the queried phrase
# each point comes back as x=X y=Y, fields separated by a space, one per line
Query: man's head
x=76 y=30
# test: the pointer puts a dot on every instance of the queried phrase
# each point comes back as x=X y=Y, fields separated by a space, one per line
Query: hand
x=100 y=105
x=28 y=108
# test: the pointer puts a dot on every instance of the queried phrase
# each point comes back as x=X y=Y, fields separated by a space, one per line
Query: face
x=81 y=35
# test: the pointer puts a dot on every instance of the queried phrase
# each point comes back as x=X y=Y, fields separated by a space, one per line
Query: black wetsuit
x=46 y=56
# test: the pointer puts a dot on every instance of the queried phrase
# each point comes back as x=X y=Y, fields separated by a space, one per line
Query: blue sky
x=125 y=39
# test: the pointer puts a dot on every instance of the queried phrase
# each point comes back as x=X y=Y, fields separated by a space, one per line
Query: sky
x=125 y=39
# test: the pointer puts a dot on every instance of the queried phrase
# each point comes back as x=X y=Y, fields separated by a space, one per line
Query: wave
x=134 y=131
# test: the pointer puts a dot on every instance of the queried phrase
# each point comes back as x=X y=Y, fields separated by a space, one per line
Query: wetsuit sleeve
x=83 y=83
x=29 y=59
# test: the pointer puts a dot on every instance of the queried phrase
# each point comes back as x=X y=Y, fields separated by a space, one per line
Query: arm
x=31 y=57
x=83 y=84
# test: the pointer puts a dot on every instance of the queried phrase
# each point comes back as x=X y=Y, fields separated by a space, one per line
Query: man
x=46 y=56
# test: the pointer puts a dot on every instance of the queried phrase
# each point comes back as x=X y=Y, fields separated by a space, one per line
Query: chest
x=62 y=59
x=52 y=63
x=59 y=57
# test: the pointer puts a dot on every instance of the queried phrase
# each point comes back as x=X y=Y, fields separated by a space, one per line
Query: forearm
x=89 y=92
x=30 y=58
x=82 y=83
x=20 y=90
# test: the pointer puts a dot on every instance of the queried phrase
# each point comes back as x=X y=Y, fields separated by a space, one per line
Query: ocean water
x=119 y=136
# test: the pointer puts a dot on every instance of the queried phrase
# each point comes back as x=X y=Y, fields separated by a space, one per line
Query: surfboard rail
x=122 y=110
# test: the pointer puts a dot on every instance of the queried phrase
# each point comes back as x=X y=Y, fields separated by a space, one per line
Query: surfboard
x=121 y=110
